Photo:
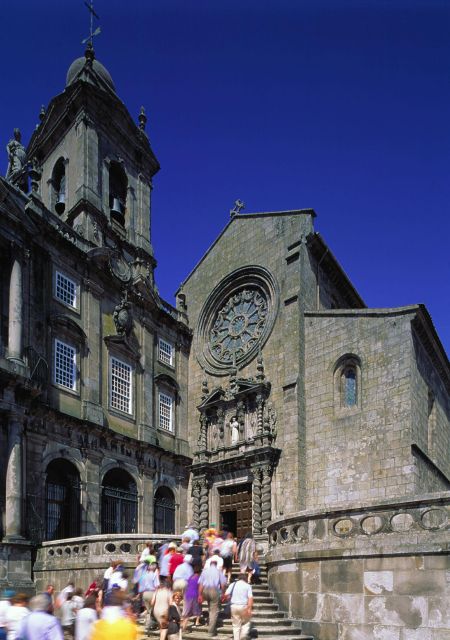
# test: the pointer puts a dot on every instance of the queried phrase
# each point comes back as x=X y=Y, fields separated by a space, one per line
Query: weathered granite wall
x=377 y=572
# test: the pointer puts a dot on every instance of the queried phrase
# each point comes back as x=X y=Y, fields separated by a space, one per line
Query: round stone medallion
x=119 y=267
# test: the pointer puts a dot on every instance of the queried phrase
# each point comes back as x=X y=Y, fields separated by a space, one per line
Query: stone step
x=275 y=634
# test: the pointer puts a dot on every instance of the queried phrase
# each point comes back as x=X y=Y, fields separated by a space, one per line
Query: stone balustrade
x=85 y=558
x=392 y=523
x=374 y=571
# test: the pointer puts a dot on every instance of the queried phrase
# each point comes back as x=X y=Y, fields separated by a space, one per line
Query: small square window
x=120 y=385
x=65 y=290
x=65 y=365
x=165 y=352
x=165 y=412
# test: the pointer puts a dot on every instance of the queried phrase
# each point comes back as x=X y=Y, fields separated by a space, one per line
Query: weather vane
x=92 y=33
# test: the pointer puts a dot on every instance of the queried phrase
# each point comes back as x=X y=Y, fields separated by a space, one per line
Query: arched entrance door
x=119 y=502
x=62 y=501
x=164 y=511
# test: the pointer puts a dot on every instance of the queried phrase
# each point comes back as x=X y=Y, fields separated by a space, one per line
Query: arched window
x=347 y=381
x=119 y=502
x=349 y=388
x=164 y=512
x=62 y=501
x=117 y=192
x=59 y=186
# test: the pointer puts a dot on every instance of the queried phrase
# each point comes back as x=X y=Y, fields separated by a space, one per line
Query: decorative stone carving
x=266 y=495
x=202 y=436
x=235 y=432
x=120 y=268
x=257 y=506
x=238 y=205
x=238 y=326
x=259 y=414
x=123 y=318
x=203 y=503
x=236 y=319
x=16 y=156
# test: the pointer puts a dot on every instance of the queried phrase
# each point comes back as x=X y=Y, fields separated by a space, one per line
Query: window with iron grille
x=164 y=511
x=66 y=290
x=120 y=385
x=65 y=365
x=165 y=412
x=165 y=352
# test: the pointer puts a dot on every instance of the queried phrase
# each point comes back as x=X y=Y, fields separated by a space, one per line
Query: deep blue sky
x=339 y=105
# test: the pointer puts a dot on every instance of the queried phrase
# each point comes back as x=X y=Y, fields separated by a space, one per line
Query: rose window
x=238 y=325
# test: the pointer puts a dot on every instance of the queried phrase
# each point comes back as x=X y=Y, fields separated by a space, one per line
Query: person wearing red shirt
x=176 y=559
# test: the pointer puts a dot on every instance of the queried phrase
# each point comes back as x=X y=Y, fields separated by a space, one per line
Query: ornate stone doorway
x=236 y=508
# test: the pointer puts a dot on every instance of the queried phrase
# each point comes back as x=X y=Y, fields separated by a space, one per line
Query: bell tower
x=95 y=163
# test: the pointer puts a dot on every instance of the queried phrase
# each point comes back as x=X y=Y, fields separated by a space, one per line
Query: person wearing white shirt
x=85 y=619
x=15 y=614
x=241 y=600
x=215 y=558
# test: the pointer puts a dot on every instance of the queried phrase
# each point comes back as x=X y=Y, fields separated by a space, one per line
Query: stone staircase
x=268 y=623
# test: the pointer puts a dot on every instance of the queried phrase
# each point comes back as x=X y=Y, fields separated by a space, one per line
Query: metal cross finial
x=238 y=205
x=92 y=33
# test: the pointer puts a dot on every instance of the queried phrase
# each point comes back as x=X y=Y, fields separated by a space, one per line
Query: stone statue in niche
x=234 y=430
x=214 y=436
x=252 y=426
x=16 y=156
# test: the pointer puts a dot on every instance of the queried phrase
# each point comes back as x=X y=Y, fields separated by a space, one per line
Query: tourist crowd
x=166 y=591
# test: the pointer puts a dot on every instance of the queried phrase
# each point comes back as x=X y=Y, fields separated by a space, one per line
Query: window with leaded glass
x=165 y=412
x=120 y=385
x=65 y=365
x=349 y=389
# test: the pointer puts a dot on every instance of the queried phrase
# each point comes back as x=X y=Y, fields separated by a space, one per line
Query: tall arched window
x=347 y=381
x=62 y=501
x=59 y=186
x=119 y=502
x=118 y=184
x=164 y=511
x=349 y=388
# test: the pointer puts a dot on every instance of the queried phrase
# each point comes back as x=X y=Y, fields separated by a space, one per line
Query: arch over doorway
x=62 y=500
x=164 y=511
x=119 y=502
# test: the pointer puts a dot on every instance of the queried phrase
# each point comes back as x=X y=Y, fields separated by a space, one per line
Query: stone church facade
x=270 y=400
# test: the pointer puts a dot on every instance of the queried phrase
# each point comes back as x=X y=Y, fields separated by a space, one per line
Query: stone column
x=15 y=313
x=259 y=414
x=266 y=495
x=257 y=506
x=14 y=490
x=203 y=503
x=202 y=442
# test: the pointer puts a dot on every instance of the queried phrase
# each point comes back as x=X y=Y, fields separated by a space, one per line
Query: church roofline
x=329 y=263
x=243 y=216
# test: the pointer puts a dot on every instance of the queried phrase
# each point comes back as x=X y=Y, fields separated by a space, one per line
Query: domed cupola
x=88 y=69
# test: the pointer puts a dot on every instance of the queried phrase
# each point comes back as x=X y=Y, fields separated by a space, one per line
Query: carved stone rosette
x=266 y=495
x=257 y=504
